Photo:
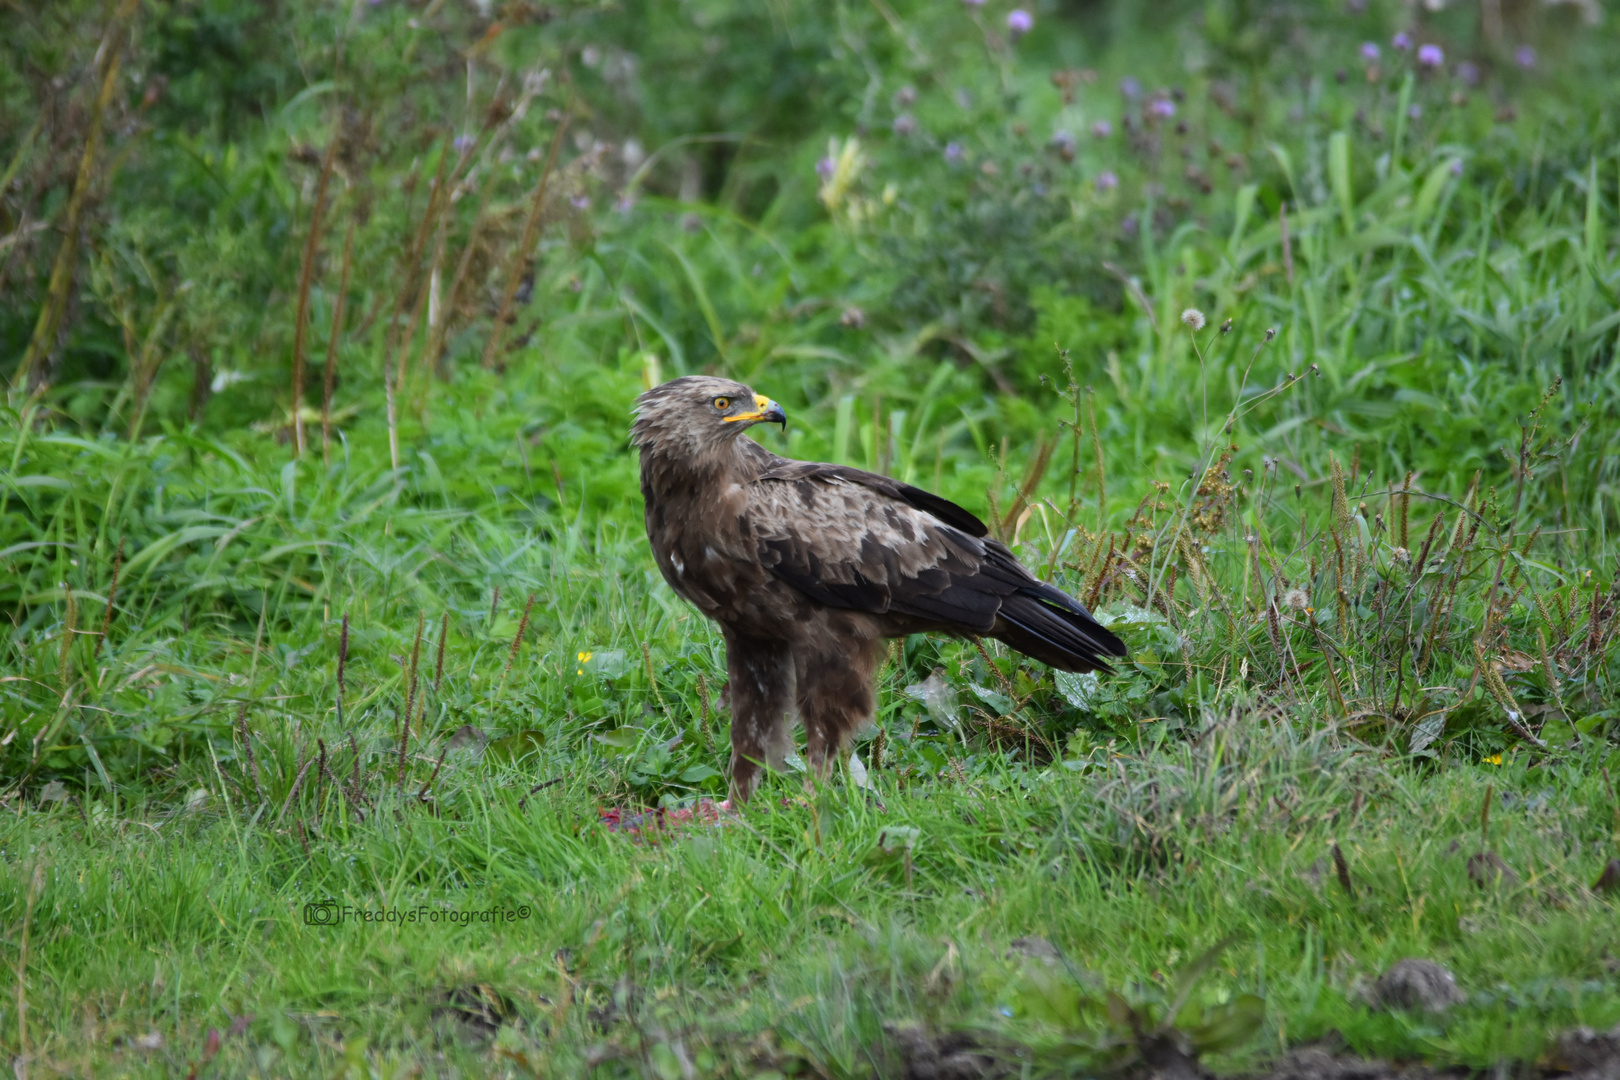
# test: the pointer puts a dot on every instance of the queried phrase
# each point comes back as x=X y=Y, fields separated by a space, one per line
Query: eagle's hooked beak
x=765 y=411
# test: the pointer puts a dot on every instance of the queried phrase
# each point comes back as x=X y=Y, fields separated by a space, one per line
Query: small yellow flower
x=584 y=658
x=1494 y=759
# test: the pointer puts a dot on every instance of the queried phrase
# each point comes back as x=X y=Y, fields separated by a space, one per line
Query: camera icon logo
x=321 y=913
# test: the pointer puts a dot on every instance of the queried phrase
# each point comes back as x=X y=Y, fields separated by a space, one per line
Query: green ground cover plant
x=1283 y=336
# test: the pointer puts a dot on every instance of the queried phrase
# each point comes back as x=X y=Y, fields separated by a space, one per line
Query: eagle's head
x=695 y=415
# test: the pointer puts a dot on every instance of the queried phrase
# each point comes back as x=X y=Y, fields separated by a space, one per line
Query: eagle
x=808 y=567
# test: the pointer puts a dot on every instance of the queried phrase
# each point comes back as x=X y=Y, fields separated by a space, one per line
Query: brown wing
x=862 y=542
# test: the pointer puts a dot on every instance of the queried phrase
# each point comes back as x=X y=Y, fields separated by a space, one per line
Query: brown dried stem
x=306 y=273
x=520 y=256
x=49 y=324
x=329 y=376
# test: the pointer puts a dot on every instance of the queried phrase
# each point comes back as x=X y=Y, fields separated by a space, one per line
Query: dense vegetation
x=1282 y=335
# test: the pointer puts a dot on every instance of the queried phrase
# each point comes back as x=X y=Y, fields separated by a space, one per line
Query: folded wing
x=863 y=542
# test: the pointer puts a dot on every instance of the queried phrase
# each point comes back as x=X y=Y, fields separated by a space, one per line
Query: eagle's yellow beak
x=765 y=411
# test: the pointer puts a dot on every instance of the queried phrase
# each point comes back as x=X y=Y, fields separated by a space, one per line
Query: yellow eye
x=722 y=403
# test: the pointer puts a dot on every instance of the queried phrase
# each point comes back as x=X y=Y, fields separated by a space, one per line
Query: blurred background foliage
x=955 y=239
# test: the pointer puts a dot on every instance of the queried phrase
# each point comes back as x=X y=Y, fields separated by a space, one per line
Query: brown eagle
x=808 y=567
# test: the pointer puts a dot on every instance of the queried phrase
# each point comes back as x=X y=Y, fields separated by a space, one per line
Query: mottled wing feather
x=941 y=509
x=845 y=541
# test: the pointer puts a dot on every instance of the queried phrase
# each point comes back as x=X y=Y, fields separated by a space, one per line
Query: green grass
x=1359 y=545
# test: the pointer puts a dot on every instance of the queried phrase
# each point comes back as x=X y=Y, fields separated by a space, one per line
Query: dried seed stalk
x=329 y=376
x=520 y=256
x=306 y=273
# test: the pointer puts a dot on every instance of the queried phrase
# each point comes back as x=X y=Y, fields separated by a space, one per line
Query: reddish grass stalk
x=112 y=595
x=520 y=257
x=410 y=698
x=306 y=273
x=329 y=377
x=463 y=265
x=517 y=642
x=438 y=663
x=343 y=651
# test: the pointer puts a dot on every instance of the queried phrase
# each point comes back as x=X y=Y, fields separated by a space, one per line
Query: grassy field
x=346 y=726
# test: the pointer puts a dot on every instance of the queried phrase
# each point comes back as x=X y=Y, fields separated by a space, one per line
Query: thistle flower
x=1525 y=57
x=1370 y=52
x=1193 y=318
x=1102 y=129
x=1430 y=56
x=1402 y=42
x=1020 y=22
x=1468 y=72
x=1106 y=181
x=1064 y=144
x=1161 y=108
x=1130 y=87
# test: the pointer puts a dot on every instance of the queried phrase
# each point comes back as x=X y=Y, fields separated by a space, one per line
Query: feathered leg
x=761 y=709
x=836 y=667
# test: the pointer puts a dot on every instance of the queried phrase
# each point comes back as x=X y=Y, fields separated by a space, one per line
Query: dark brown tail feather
x=1052 y=627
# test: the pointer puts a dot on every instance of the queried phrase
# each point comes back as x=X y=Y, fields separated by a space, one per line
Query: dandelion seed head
x=1193 y=318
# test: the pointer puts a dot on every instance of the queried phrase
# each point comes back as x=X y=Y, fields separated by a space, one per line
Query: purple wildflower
x=463 y=143
x=1106 y=180
x=1456 y=167
x=1415 y=111
x=953 y=152
x=825 y=168
x=1062 y=140
x=1430 y=56
x=580 y=202
x=1525 y=57
x=905 y=97
x=1402 y=42
x=1130 y=87
x=1020 y=22
x=1102 y=129
x=1161 y=108
x=625 y=203
x=1468 y=72
x=1370 y=52
x=905 y=124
